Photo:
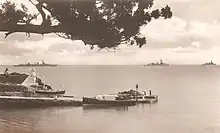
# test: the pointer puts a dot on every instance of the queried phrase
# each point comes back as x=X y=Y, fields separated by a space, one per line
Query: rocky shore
x=13 y=78
x=12 y=82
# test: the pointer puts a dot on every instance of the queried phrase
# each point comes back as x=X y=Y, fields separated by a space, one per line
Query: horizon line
x=117 y=65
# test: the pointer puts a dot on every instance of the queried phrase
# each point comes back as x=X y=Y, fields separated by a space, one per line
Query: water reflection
x=19 y=120
x=25 y=120
x=95 y=108
x=116 y=108
x=148 y=105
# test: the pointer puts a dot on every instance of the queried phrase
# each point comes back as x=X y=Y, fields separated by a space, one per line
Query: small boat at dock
x=125 y=98
x=107 y=100
x=141 y=97
x=35 y=84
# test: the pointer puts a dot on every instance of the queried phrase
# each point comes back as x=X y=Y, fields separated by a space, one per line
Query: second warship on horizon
x=209 y=64
x=161 y=63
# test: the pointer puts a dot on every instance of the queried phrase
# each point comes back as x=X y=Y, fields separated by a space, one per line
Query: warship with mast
x=43 y=64
x=161 y=63
x=209 y=64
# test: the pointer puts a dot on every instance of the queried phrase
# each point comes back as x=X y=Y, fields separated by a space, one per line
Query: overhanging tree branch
x=37 y=29
x=106 y=24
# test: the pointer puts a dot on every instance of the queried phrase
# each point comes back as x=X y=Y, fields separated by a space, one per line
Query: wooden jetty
x=25 y=102
x=29 y=91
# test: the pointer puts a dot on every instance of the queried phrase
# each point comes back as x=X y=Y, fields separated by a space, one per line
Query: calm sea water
x=189 y=101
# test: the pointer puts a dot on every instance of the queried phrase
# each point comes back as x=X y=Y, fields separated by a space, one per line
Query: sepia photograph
x=109 y=66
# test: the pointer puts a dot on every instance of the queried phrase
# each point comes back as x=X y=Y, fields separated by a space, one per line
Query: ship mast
x=161 y=61
x=43 y=62
x=136 y=94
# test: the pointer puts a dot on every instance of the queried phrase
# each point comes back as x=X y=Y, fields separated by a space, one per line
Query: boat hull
x=157 y=65
x=34 y=65
x=141 y=98
x=96 y=102
x=51 y=92
x=148 y=99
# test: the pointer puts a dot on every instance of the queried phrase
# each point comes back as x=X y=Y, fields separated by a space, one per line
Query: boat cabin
x=106 y=97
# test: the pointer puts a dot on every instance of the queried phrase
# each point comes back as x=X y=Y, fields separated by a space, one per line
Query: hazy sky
x=192 y=36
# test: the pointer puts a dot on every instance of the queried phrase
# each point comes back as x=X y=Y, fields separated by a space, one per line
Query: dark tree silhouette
x=102 y=23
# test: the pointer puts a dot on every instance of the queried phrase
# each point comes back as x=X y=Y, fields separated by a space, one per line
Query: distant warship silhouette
x=161 y=63
x=43 y=64
x=209 y=64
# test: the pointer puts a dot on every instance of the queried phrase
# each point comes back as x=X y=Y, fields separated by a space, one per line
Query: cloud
x=165 y=33
x=196 y=44
x=18 y=47
x=176 y=32
x=7 y=49
x=77 y=47
x=198 y=10
x=184 y=50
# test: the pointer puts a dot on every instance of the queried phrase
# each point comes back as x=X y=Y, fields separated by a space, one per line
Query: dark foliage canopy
x=102 y=23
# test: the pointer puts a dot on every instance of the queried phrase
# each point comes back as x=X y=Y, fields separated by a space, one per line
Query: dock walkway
x=17 y=101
